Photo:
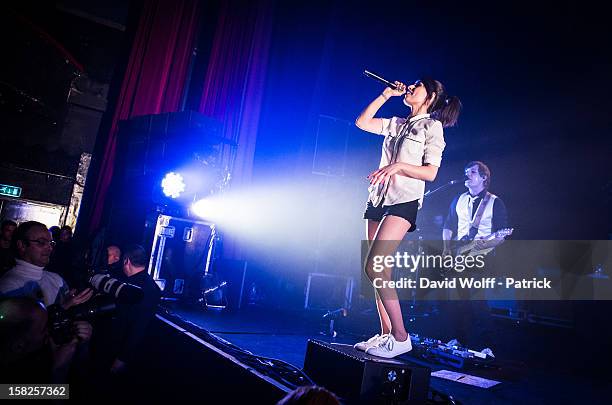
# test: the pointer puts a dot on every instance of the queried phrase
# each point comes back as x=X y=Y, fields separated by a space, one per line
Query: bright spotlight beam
x=211 y=209
x=173 y=185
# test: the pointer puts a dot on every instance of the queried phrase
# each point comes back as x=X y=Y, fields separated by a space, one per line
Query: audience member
x=63 y=257
x=27 y=352
x=55 y=233
x=114 y=264
x=32 y=246
x=65 y=234
x=7 y=260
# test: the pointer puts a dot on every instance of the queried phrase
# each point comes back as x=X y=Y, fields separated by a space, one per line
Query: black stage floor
x=534 y=369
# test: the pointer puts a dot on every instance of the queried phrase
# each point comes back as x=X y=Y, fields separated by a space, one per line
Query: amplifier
x=357 y=377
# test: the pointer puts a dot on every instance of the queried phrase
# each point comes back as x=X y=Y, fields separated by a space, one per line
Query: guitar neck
x=500 y=234
x=490 y=236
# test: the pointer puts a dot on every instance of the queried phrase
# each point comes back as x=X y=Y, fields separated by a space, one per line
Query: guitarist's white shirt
x=465 y=217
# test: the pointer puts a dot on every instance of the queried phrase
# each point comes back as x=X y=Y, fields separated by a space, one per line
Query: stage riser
x=176 y=367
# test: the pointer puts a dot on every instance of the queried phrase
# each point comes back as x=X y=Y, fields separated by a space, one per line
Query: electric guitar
x=473 y=247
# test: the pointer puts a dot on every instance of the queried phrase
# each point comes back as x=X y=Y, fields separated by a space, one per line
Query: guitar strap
x=476 y=222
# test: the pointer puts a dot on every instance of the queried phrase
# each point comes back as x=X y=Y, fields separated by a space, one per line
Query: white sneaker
x=388 y=347
x=371 y=342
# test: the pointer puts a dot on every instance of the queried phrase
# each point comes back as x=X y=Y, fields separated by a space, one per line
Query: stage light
x=173 y=185
x=208 y=208
x=259 y=213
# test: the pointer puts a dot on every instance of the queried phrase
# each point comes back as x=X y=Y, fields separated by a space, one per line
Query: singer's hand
x=381 y=175
x=401 y=89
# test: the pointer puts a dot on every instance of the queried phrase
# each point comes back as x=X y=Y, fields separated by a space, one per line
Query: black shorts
x=407 y=210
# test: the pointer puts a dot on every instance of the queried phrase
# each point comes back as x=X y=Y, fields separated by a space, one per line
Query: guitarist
x=475 y=214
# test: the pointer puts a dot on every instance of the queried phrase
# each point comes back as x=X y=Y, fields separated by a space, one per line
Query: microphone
x=456 y=181
x=386 y=82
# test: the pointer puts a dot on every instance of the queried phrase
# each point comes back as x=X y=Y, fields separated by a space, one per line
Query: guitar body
x=473 y=247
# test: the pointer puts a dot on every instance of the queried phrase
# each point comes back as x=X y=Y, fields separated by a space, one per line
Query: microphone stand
x=420 y=250
x=442 y=187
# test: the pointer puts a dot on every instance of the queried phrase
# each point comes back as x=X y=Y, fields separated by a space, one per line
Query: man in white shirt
x=470 y=318
x=460 y=223
x=32 y=244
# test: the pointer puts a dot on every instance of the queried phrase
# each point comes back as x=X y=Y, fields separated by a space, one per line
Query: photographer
x=119 y=342
x=28 y=352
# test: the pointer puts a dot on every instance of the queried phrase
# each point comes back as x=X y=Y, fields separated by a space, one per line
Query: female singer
x=411 y=154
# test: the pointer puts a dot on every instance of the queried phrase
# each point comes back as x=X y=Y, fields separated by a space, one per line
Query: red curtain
x=157 y=71
x=154 y=79
x=234 y=81
x=234 y=84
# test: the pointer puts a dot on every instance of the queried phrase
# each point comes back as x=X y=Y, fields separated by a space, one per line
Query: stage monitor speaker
x=360 y=378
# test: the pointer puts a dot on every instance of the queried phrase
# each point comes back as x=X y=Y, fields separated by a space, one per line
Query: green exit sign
x=11 y=191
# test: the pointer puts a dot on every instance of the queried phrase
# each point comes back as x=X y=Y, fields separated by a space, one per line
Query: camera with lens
x=122 y=292
x=61 y=321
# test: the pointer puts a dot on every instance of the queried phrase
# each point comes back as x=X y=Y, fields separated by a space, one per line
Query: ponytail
x=448 y=110
x=444 y=108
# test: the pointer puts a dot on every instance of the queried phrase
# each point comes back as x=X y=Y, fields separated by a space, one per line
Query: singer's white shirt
x=423 y=144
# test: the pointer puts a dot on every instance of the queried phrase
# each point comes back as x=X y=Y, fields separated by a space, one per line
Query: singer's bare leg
x=390 y=233
x=385 y=322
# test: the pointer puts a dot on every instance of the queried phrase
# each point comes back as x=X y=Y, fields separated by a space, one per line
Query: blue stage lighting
x=202 y=208
x=173 y=185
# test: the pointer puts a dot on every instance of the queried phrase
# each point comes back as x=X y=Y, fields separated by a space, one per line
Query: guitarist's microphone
x=443 y=186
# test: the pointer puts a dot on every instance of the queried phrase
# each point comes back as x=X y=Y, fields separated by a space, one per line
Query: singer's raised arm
x=366 y=120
